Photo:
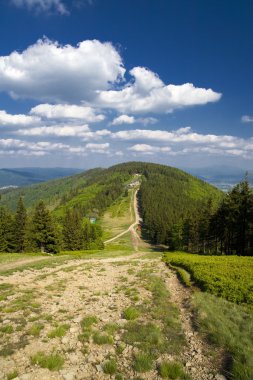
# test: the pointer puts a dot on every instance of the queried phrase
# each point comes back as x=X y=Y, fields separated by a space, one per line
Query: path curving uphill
x=131 y=228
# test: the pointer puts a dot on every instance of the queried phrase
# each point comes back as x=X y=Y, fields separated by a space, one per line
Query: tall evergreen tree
x=6 y=230
x=20 y=226
x=43 y=231
x=72 y=230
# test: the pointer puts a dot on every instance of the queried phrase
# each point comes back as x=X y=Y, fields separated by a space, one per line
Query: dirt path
x=42 y=301
x=21 y=262
x=196 y=351
x=131 y=228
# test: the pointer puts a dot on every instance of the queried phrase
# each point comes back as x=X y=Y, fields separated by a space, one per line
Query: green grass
x=59 y=331
x=6 y=329
x=7 y=258
x=161 y=331
x=121 y=247
x=12 y=375
x=110 y=367
x=6 y=290
x=110 y=328
x=230 y=327
x=130 y=313
x=117 y=217
x=183 y=275
x=53 y=362
x=102 y=338
x=35 y=329
x=24 y=302
x=88 y=322
x=163 y=310
x=172 y=370
x=147 y=336
x=84 y=337
x=142 y=362
x=120 y=348
x=118 y=376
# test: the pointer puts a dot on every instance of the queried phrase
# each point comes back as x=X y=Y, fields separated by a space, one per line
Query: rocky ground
x=100 y=319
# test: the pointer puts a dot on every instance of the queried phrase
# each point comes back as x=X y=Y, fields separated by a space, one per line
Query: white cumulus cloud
x=149 y=94
x=65 y=130
x=149 y=149
x=7 y=119
x=58 y=73
x=92 y=73
x=65 y=111
x=125 y=119
x=56 y=130
x=98 y=148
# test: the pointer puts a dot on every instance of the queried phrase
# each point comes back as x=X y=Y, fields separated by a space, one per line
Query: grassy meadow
x=223 y=309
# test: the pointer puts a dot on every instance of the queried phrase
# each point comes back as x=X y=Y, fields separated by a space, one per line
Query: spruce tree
x=43 y=230
x=20 y=226
x=72 y=230
x=6 y=230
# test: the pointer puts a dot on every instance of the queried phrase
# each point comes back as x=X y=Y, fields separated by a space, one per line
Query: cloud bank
x=93 y=73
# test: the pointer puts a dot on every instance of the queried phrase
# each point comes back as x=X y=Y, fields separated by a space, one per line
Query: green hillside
x=167 y=197
x=76 y=190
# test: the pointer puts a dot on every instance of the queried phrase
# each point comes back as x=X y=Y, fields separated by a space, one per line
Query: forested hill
x=166 y=193
x=71 y=191
x=181 y=190
x=167 y=198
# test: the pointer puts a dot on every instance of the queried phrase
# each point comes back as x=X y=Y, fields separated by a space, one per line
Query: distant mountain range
x=19 y=177
x=223 y=177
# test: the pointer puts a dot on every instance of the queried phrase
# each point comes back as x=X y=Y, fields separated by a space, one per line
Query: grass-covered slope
x=51 y=192
x=91 y=191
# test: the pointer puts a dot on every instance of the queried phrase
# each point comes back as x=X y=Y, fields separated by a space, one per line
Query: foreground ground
x=116 y=314
x=97 y=319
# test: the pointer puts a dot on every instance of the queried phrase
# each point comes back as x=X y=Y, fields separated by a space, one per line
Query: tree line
x=227 y=229
x=39 y=231
x=206 y=227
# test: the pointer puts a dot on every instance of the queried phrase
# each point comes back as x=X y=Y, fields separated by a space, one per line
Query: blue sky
x=86 y=83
